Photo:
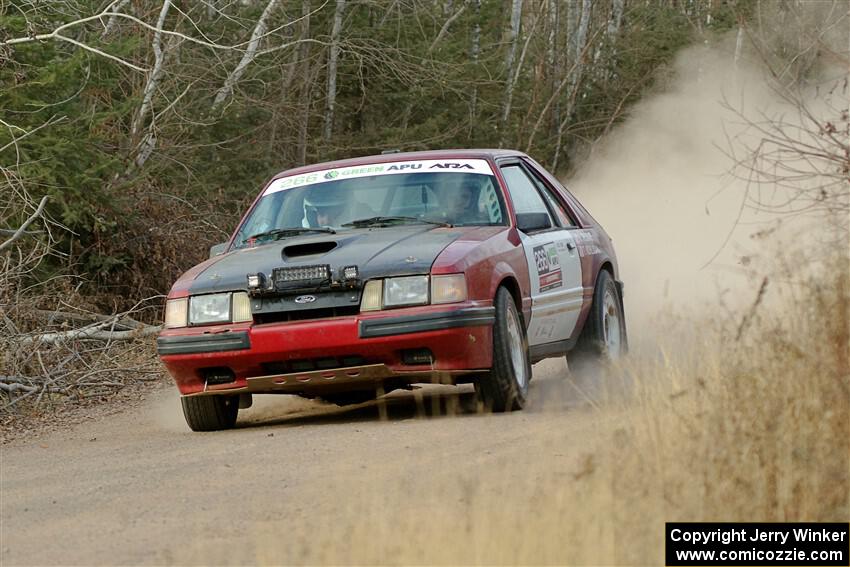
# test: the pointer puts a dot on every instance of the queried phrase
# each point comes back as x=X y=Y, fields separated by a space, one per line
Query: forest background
x=151 y=125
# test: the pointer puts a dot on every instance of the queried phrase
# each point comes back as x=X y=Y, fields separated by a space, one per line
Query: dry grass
x=744 y=419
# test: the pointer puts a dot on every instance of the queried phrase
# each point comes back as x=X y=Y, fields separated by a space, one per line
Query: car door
x=554 y=266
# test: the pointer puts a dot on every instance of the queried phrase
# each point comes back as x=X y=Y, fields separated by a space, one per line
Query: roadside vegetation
x=745 y=421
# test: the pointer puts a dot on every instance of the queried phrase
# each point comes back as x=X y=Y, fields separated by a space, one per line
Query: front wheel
x=210 y=413
x=505 y=387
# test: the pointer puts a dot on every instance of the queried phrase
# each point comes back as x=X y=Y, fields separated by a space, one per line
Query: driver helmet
x=323 y=206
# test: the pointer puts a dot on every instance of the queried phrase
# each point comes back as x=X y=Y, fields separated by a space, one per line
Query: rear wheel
x=210 y=413
x=505 y=387
x=604 y=334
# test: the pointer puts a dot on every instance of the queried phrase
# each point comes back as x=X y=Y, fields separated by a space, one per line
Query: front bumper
x=459 y=338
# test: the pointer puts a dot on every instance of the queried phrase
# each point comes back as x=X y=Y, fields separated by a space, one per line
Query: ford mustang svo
x=348 y=279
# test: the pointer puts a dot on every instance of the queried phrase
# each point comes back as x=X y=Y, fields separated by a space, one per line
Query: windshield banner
x=478 y=166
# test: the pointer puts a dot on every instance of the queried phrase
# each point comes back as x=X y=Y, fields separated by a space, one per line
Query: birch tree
x=513 y=35
x=474 y=50
x=575 y=75
x=148 y=143
x=116 y=6
x=250 y=53
x=305 y=96
x=553 y=55
x=506 y=105
x=333 y=60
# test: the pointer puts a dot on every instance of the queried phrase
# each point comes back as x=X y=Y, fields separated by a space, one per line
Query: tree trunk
x=305 y=97
x=616 y=20
x=445 y=28
x=116 y=6
x=512 y=83
x=148 y=142
x=552 y=51
x=332 y=67
x=474 y=51
x=516 y=19
x=227 y=88
x=156 y=72
x=575 y=75
x=739 y=41
x=605 y=51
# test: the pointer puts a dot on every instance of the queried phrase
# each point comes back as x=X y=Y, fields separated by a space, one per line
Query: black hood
x=378 y=252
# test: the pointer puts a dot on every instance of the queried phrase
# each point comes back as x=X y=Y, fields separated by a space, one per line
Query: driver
x=463 y=204
x=323 y=206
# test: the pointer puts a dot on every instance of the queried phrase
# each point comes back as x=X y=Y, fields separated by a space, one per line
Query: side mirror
x=217 y=249
x=528 y=222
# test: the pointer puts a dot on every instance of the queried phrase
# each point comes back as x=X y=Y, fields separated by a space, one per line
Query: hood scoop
x=308 y=249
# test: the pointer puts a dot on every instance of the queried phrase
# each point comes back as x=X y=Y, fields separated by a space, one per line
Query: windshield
x=366 y=196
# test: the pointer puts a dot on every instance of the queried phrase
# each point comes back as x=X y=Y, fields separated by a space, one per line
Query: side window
x=525 y=196
x=489 y=202
x=557 y=207
x=554 y=203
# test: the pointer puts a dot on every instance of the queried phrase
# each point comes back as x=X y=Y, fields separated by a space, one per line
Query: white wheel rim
x=517 y=350
x=611 y=324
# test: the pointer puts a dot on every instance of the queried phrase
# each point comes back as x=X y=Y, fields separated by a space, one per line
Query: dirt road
x=299 y=481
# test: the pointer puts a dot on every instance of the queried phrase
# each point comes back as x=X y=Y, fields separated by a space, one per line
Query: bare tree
x=795 y=160
x=574 y=76
x=306 y=88
x=474 y=51
x=509 y=90
x=510 y=56
x=259 y=30
x=148 y=141
x=116 y=6
x=333 y=60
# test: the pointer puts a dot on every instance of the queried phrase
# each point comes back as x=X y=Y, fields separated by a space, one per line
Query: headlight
x=448 y=289
x=413 y=290
x=213 y=308
x=409 y=290
x=176 y=313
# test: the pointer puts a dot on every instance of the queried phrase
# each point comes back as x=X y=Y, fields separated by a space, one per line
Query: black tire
x=210 y=413
x=597 y=339
x=350 y=398
x=503 y=388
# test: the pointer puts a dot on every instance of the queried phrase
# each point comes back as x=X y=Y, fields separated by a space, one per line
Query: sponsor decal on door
x=586 y=241
x=548 y=266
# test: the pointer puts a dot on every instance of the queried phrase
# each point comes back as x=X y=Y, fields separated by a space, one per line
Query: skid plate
x=331 y=379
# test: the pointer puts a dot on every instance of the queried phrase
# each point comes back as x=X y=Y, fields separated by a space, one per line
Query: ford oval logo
x=305 y=299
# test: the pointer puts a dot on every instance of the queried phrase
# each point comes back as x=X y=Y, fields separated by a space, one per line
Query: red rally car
x=352 y=278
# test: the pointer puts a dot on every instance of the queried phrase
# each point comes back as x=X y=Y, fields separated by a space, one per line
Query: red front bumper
x=459 y=337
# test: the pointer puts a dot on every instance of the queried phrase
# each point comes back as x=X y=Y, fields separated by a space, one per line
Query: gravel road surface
x=423 y=478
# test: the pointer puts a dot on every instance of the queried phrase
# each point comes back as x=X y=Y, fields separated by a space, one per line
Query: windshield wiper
x=387 y=221
x=291 y=231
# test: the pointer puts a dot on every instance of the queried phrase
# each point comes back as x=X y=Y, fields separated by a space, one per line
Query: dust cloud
x=662 y=187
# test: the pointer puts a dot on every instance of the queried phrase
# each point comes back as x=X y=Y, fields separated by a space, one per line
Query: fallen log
x=12 y=388
x=54 y=317
x=95 y=333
